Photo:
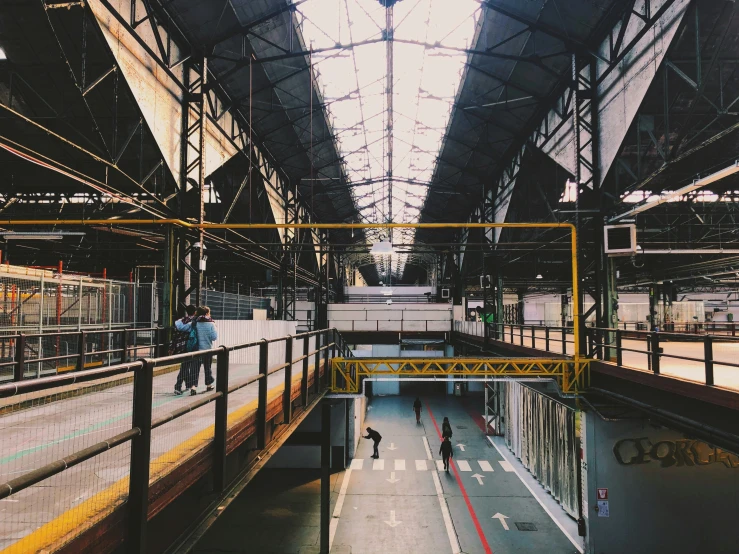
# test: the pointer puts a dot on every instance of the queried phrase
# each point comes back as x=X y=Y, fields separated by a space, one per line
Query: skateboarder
x=376 y=438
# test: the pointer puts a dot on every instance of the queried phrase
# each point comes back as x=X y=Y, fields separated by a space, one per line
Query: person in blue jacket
x=207 y=335
x=180 y=347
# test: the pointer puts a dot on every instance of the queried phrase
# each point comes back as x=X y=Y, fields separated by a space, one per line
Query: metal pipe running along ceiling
x=188 y=225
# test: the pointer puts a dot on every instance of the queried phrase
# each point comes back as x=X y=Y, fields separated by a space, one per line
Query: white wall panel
x=365 y=326
x=438 y=325
x=231 y=333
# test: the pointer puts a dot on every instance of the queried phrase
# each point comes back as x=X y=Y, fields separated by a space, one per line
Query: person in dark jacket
x=186 y=366
x=376 y=438
x=417 y=409
x=446 y=429
x=446 y=452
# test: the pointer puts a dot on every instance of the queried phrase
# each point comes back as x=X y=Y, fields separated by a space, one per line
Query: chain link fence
x=229 y=306
x=39 y=301
x=42 y=301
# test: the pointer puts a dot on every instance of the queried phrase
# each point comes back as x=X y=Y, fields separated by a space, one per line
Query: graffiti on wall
x=671 y=453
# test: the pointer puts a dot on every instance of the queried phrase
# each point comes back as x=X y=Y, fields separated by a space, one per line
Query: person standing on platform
x=376 y=438
x=207 y=334
x=417 y=409
x=446 y=429
x=446 y=452
x=179 y=346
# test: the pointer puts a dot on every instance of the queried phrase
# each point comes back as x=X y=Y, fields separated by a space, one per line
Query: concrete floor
x=33 y=437
x=393 y=505
x=278 y=512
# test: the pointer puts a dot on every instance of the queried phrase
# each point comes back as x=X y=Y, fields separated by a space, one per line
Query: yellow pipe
x=188 y=225
x=575 y=298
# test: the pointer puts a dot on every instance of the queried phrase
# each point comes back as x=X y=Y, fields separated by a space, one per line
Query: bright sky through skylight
x=425 y=84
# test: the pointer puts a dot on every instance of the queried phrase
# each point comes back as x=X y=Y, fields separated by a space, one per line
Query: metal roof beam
x=569 y=42
x=244 y=29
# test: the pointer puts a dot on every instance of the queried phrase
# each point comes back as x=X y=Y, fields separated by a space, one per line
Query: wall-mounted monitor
x=620 y=239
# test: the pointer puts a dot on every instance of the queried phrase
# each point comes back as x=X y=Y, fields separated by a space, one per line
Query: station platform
x=403 y=501
x=40 y=430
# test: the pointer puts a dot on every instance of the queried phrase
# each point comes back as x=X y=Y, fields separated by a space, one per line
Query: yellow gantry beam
x=194 y=225
x=347 y=373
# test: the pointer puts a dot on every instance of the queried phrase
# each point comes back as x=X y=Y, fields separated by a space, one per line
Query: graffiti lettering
x=671 y=453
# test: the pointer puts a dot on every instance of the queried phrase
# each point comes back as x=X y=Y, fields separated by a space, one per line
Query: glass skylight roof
x=426 y=79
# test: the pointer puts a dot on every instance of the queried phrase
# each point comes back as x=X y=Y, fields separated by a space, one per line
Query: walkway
x=725 y=376
x=403 y=503
x=35 y=436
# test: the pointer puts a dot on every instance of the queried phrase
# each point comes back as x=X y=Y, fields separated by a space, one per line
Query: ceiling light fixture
x=40 y=236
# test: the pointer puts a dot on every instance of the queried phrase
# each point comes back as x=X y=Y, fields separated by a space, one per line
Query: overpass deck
x=51 y=429
x=404 y=501
x=635 y=354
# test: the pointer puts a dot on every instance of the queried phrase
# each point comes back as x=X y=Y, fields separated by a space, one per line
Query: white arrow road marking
x=478 y=477
x=393 y=522
x=399 y=465
x=392 y=446
x=575 y=542
x=461 y=447
x=392 y=478
x=500 y=517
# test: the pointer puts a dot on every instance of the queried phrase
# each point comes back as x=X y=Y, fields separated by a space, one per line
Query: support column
x=653 y=298
x=325 y=474
x=610 y=308
x=585 y=118
x=192 y=175
x=500 y=309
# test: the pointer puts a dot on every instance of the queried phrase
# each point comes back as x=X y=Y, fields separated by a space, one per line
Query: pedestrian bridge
x=571 y=375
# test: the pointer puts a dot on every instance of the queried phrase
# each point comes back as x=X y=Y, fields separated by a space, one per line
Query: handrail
x=143 y=422
x=19 y=345
x=606 y=344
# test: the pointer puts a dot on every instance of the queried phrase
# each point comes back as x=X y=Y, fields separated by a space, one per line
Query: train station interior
x=460 y=276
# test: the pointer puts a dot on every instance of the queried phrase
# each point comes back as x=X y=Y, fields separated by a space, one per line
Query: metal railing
x=34 y=355
x=143 y=422
x=611 y=344
x=558 y=340
x=608 y=344
x=396 y=298
x=695 y=328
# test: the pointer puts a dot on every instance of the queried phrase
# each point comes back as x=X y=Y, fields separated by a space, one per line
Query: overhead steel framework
x=633 y=103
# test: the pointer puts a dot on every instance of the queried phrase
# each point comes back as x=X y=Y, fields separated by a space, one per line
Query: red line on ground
x=476 y=417
x=473 y=515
